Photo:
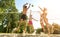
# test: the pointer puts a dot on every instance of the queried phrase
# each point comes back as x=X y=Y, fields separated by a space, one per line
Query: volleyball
x=32 y=5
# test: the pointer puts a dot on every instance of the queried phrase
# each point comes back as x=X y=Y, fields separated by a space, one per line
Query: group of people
x=43 y=19
x=24 y=18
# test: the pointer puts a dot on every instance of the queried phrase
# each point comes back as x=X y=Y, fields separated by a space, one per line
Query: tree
x=2 y=17
x=7 y=5
x=11 y=18
x=30 y=28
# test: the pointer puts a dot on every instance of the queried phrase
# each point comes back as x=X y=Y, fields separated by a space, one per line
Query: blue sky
x=53 y=10
x=19 y=3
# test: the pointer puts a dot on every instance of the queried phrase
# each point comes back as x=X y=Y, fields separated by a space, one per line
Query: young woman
x=30 y=18
x=30 y=23
x=44 y=19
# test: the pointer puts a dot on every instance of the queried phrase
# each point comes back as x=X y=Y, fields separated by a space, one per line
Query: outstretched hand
x=40 y=8
x=31 y=5
x=34 y=19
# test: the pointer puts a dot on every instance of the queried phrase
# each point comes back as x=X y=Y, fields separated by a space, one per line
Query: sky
x=53 y=10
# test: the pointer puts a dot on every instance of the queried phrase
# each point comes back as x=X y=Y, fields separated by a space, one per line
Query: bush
x=30 y=29
x=22 y=26
x=56 y=28
x=39 y=30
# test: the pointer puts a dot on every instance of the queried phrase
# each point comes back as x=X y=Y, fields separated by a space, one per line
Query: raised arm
x=34 y=19
x=29 y=6
x=30 y=12
x=40 y=8
x=25 y=4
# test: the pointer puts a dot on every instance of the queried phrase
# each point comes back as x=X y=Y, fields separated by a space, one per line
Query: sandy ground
x=28 y=35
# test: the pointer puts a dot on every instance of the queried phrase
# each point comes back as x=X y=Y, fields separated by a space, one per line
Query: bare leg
x=42 y=26
x=41 y=22
x=47 y=25
x=25 y=25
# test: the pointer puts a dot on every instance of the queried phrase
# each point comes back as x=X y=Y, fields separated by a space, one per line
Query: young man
x=24 y=16
x=25 y=9
x=43 y=19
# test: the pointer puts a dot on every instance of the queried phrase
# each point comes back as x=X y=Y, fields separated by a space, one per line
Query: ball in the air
x=32 y=5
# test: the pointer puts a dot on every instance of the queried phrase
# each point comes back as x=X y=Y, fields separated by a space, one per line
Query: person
x=44 y=19
x=30 y=18
x=24 y=16
x=30 y=23
x=41 y=22
x=25 y=9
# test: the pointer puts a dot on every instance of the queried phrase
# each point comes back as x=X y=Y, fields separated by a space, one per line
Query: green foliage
x=11 y=18
x=22 y=26
x=20 y=14
x=7 y=4
x=30 y=29
x=39 y=30
x=2 y=16
x=1 y=28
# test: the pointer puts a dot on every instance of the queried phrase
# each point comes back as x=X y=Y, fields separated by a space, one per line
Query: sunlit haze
x=53 y=10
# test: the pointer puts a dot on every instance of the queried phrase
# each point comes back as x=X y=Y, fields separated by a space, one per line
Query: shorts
x=24 y=17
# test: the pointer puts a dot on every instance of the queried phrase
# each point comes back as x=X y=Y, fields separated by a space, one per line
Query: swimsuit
x=30 y=23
